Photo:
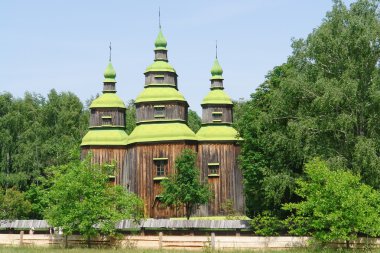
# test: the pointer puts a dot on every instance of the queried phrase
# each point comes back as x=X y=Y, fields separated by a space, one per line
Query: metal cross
x=110 y=50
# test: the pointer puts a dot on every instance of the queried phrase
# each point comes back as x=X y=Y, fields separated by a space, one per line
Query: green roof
x=161 y=132
x=160 y=66
x=160 y=42
x=216 y=70
x=153 y=94
x=105 y=137
x=217 y=133
x=109 y=74
x=218 y=97
x=108 y=100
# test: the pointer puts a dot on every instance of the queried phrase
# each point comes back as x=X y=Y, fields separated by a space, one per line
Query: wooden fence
x=162 y=234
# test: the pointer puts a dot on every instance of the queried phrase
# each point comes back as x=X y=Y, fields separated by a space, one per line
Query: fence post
x=213 y=240
x=21 y=237
x=160 y=240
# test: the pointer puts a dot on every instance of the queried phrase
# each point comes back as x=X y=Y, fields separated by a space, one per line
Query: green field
x=48 y=250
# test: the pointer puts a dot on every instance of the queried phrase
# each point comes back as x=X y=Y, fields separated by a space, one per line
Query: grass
x=77 y=250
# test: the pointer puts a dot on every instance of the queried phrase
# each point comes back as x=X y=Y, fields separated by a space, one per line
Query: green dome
x=216 y=70
x=217 y=133
x=161 y=132
x=218 y=97
x=160 y=66
x=108 y=100
x=109 y=74
x=160 y=42
x=105 y=137
x=153 y=94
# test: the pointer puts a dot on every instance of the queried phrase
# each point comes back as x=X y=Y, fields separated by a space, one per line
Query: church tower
x=160 y=135
x=106 y=138
x=218 y=148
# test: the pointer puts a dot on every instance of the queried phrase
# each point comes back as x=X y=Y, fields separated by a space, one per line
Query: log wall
x=118 y=116
x=108 y=154
x=173 y=111
x=228 y=186
x=207 y=111
x=168 y=78
x=141 y=165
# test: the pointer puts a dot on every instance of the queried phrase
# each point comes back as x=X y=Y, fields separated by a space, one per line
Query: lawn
x=51 y=250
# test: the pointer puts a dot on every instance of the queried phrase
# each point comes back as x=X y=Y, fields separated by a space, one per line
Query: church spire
x=216 y=72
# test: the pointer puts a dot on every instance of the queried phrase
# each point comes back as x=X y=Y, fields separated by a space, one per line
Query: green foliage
x=82 y=200
x=335 y=205
x=267 y=224
x=194 y=121
x=130 y=116
x=323 y=102
x=36 y=133
x=184 y=187
x=13 y=205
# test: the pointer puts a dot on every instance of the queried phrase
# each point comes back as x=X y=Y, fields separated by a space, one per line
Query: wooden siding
x=229 y=184
x=118 y=116
x=161 y=55
x=141 y=165
x=169 y=78
x=207 y=111
x=175 y=110
x=108 y=154
x=109 y=87
x=216 y=83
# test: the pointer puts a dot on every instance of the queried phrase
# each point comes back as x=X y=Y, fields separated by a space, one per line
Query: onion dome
x=109 y=74
x=216 y=70
x=160 y=42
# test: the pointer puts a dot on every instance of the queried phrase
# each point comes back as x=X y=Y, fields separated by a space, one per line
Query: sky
x=63 y=44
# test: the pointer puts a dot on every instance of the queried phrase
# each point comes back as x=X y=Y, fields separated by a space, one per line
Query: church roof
x=160 y=66
x=105 y=137
x=108 y=100
x=153 y=94
x=217 y=97
x=158 y=131
x=217 y=132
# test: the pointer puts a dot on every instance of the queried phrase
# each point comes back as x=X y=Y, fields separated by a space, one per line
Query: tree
x=335 y=205
x=194 y=121
x=323 y=102
x=130 y=116
x=184 y=187
x=83 y=200
x=13 y=205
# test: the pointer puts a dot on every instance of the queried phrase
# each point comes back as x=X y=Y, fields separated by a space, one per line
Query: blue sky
x=63 y=44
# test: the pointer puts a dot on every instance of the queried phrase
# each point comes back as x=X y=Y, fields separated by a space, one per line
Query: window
x=159 y=111
x=213 y=169
x=217 y=116
x=161 y=164
x=159 y=78
x=106 y=120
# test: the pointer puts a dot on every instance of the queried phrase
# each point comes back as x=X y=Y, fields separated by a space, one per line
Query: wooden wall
x=118 y=116
x=169 y=78
x=229 y=184
x=207 y=111
x=108 y=154
x=141 y=166
x=174 y=110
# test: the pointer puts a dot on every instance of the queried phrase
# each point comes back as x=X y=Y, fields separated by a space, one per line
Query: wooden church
x=147 y=156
